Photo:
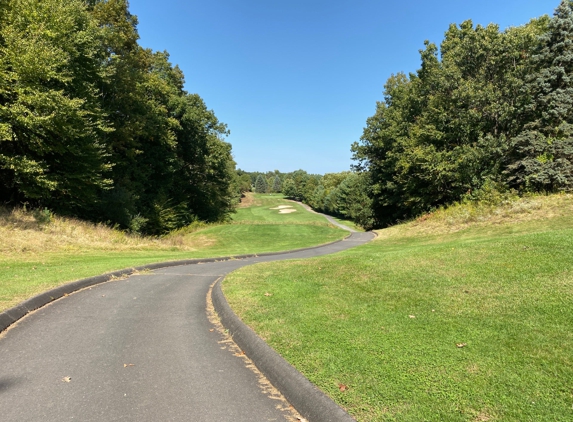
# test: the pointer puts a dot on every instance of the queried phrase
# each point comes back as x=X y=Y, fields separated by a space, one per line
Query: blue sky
x=296 y=80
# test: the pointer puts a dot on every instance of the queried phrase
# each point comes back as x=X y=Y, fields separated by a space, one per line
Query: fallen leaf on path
x=212 y=329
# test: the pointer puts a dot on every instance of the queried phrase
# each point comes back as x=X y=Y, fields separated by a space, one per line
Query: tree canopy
x=94 y=125
x=487 y=108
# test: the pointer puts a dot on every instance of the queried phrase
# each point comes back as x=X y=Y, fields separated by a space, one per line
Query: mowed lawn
x=472 y=324
x=36 y=257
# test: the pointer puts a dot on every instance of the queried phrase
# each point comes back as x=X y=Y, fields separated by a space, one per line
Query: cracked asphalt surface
x=137 y=349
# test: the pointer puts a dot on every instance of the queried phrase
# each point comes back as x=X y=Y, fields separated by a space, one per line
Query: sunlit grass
x=348 y=223
x=36 y=255
x=430 y=323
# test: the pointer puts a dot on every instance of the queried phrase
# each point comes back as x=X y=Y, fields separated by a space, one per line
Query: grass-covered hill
x=465 y=314
x=39 y=250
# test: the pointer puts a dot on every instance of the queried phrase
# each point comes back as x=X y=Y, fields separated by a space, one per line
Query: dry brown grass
x=249 y=200
x=475 y=214
x=21 y=233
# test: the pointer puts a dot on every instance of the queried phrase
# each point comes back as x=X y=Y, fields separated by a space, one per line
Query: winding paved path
x=137 y=349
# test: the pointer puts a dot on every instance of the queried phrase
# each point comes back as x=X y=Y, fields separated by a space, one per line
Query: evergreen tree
x=277 y=185
x=543 y=153
x=261 y=184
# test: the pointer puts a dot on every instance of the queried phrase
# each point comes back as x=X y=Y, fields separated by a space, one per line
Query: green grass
x=386 y=319
x=348 y=223
x=253 y=238
x=35 y=258
x=260 y=212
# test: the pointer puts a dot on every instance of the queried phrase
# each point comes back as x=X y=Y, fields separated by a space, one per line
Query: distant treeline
x=341 y=194
x=489 y=110
x=93 y=125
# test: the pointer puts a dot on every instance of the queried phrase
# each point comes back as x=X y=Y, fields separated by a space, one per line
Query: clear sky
x=295 y=80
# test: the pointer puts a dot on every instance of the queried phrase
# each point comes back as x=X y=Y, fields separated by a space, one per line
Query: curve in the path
x=328 y=217
x=142 y=349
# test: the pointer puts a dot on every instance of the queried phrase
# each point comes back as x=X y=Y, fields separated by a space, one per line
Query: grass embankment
x=37 y=256
x=463 y=315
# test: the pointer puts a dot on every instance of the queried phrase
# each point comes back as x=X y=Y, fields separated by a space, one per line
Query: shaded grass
x=35 y=257
x=386 y=319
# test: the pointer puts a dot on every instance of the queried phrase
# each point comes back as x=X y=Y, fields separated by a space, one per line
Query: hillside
x=464 y=314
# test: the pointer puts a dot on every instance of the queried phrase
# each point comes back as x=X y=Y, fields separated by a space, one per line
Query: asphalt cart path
x=138 y=349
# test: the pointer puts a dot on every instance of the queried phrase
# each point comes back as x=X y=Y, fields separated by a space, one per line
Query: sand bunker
x=284 y=209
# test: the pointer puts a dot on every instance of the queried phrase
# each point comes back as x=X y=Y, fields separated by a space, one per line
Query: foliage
x=43 y=216
x=93 y=125
x=261 y=184
x=289 y=188
x=244 y=181
x=543 y=152
x=339 y=194
x=277 y=185
x=51 y=121
x=464 y=119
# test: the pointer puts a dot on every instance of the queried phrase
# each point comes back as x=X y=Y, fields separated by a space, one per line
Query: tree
x=444 y=131
x=317 y=199
x=270 y=180
x=244 y=183
x=261 y=184
x=542 y=154
x=289 y=188
x=299 y=178
x=93 y=125
x=277 y=185
x=171 y=163
x=353 y=200
x=306 y=192
x=51 y=122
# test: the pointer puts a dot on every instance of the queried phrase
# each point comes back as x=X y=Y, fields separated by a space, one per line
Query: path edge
x=305 y=397
x=14 y=314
